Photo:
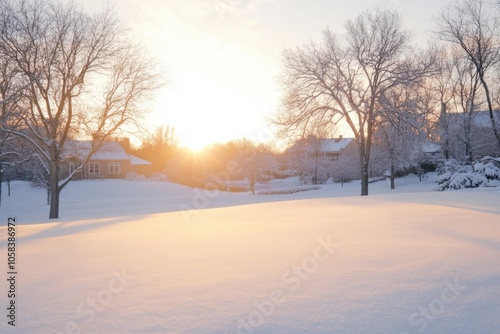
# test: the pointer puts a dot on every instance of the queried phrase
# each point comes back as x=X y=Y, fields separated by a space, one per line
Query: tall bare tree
x=398 y=130
x=441 y=88
x=345 y=78
x=474 y=26
x=466 y=98
x=10 y=95
x=84 y=79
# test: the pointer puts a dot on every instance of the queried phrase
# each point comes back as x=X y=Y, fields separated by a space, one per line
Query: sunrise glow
x=222 y=58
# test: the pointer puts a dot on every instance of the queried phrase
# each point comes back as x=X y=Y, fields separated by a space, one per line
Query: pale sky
x=222 y=57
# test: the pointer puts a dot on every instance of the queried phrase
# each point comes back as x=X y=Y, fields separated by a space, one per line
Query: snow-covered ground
x=152 y=257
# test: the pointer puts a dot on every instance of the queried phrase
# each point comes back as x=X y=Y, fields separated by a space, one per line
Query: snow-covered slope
x=110 y=198
x=414 y=262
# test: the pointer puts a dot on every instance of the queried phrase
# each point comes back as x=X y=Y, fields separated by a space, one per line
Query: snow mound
x=401 y=263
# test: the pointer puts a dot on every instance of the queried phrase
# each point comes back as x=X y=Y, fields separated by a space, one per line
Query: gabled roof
x=429 y=147
x=480 y=119
x=335 y=144
x=135 y=161
x=110 y=151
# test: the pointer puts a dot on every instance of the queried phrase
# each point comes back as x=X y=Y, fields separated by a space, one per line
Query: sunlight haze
x=222 y=58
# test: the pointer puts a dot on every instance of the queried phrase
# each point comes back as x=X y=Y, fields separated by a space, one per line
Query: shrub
x=454 y=175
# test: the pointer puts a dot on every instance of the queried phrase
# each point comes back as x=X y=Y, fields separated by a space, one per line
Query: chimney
x=341 y=137
x=125 y=143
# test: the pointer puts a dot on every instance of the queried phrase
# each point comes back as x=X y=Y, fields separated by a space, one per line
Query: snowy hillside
x=408 y=261
x=109 y=198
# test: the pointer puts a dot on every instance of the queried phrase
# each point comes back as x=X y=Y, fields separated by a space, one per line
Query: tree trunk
x=1 y=183
x=393 y=176
x=490 y=108
x=252 y=186
x=444 y=122
x=315 y=179
x=54 y=191
x=365 y=165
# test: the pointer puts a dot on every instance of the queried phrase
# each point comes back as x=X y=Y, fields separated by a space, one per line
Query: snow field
x=392 y=263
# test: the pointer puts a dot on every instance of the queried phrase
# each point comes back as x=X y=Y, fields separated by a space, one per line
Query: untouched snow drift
x=423 y=262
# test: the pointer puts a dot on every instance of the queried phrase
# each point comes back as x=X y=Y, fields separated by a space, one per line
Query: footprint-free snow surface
x=400 y=262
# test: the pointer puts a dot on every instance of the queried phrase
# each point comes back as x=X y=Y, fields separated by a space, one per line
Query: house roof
x=479 y=118
x=429 y=147
x=335 y=144
x=109 y=151
x=135 y=161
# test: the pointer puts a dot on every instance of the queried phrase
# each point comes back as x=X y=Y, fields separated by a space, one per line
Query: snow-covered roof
x=479 y=118
x=482 y=118
x=429 y=147
x=335 y=144
x=109 y=151
x=135 y=161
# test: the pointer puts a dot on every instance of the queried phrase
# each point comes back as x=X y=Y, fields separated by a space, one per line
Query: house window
x=114 y=168
x=94 y=168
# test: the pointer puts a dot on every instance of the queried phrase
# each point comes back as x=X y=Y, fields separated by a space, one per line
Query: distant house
x=482 y=139
x=316 y=159
x=431 y=151
x=111 y=161
x=333 y=148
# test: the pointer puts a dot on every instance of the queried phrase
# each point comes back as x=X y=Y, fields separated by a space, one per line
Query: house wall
x=104 y=171
x=483 y=141
x=142 y=170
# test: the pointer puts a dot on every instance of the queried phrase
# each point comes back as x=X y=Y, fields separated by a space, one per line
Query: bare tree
x=441 y=88
x=474 y=26
x=466 y=98
x=256 y=161
x=10 y=95
x=397 y=133
x=345 y=79
x=84 y=79
x=158 y=147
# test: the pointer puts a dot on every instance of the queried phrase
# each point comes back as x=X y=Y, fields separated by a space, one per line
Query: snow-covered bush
x=131 y=176
x=287 y=190
x=158 y=177
x=481 y=173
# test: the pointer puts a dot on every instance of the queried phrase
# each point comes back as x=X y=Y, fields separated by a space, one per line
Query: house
x=316 y=159
x=431 y=151
x=470 y=134
x=111 y=161
x=331 y=148
x=140 y=166
x=334 y=148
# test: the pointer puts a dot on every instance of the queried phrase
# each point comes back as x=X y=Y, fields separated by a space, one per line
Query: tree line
x=390 y=93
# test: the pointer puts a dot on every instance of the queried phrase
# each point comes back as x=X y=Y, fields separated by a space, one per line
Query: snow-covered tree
x=84 y=79
x=474 y=27
x=256 y=161
x=397 y=135
x=306 y=159
x=11 y=93
x=345 y=168
x=345 y=78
